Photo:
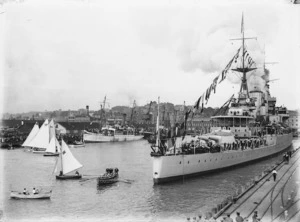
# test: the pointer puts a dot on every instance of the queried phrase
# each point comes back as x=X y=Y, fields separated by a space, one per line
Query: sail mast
x=61 y=160
x=157 y=125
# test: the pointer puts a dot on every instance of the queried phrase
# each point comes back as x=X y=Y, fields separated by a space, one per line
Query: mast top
x=244 y=87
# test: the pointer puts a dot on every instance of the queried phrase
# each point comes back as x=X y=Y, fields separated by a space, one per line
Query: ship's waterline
x=170 y=168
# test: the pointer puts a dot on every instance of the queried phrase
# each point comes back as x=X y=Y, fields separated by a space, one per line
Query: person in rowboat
x=25 y=192
x=35 y=191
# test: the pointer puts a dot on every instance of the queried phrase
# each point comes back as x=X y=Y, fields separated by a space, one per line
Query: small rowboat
x=20 y=195
x=111 y=176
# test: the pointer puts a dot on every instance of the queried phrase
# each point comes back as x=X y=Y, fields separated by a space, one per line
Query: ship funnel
x=124 y=118
x=87 y=110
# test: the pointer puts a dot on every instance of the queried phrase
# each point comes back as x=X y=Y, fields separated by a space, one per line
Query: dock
x=274 y=201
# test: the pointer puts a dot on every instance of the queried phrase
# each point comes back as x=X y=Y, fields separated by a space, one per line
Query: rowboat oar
x=90 y=175
x=87 y=179
x=125 y=181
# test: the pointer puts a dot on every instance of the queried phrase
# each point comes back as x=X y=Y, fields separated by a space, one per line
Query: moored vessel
x=110 y=134
x=249 y=127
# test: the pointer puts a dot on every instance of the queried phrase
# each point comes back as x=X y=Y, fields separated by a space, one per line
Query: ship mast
x=157 y=125
x=132 y=112
x=244 y=86
x=102 y=111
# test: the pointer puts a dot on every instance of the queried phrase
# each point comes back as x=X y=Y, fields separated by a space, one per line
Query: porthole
x=198 y=161
x=180 y=162
x=188 y=162
x=204 y=160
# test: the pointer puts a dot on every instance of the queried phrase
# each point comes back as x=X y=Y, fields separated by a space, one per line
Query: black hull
x=68 y=177
x=51 y=154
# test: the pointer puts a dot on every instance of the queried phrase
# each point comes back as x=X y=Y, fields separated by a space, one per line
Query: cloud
x=142 y=50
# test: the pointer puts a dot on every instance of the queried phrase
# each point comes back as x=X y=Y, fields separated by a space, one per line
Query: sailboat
x=31 y=135
x=68 y=164
x=53 y=148
x=41 y=140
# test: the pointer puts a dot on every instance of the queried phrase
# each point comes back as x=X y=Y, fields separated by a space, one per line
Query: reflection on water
x=101 y=188
x=139 y=199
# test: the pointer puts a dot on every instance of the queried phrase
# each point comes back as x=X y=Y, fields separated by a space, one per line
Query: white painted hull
x=38 y=151
x=98 y=138
x=20 y=195
x=166 y=168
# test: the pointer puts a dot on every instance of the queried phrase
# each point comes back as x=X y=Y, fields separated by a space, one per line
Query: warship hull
x=175 y=167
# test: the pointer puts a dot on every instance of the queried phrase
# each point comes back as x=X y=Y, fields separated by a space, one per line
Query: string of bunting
x=206 y=94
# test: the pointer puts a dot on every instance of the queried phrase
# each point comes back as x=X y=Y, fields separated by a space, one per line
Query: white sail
x=31 y=135
x=69 y=162
x=57 y=145
x=41 y=140
x=51 y=129
x=51 y=146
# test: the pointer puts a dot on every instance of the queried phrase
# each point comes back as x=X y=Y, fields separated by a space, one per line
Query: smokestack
x=124 y=118
x=87 y=110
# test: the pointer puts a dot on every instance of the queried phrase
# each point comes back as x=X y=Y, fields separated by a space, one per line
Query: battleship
x=247 y=127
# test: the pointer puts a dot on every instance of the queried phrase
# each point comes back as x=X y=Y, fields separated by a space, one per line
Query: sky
x=66 y=54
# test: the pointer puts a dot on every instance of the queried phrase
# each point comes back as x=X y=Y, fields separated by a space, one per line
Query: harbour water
x=140 y=200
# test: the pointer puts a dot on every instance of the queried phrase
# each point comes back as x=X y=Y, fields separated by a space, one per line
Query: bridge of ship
x=239 y=125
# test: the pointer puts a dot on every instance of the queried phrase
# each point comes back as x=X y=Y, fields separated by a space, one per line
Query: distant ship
x=251 y=127
x=110 y=133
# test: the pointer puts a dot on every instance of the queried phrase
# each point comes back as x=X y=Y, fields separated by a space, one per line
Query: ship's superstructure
x=251 y=128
